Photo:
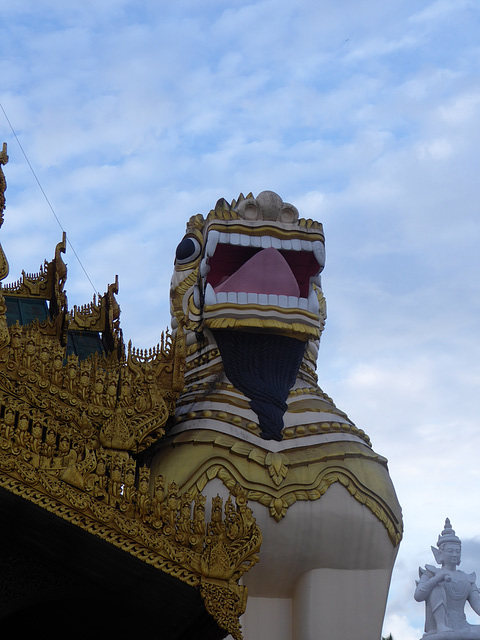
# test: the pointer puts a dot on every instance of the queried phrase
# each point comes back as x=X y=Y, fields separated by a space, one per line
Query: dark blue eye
x=188 y=250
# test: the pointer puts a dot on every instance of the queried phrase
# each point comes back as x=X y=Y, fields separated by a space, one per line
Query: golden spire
x=3 y=186
x=3 y=182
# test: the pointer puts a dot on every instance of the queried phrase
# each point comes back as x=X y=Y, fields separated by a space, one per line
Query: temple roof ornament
x=3 y=187
x=75 y=435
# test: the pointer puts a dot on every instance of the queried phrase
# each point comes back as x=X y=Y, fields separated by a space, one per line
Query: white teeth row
x=286 y=302
x=264 y=242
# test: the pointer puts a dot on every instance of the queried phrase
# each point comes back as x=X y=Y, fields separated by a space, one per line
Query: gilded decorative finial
x=3 y=182
x=3 y=186
x=3 y=155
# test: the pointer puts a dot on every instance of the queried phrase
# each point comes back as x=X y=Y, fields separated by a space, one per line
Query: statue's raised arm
x=445 y=591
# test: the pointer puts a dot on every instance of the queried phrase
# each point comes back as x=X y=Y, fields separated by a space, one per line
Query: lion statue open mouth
x=250 y=276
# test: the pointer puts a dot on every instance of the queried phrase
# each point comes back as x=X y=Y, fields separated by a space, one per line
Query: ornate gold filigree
x=4 y=333
x=278 y=480
x=99 y=316
x=277 y=466
x=71 y=432
x=48 y=284
x=126 y=404
x=69 y=435
x=167 y=531
x=3 y=182
x=224 y=606
x=177 y=299
x=3 y=186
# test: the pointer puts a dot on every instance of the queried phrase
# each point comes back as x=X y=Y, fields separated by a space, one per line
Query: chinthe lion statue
x=248 y=310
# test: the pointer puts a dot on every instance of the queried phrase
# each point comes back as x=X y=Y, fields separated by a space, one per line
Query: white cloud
x=439 y=149
x=441 y=9
x=400 y=628
x=463 y=110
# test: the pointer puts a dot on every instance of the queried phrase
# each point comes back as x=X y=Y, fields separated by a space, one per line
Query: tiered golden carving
x=67 y=435
x=48 y=284
x=71 y=431
x=102 y=316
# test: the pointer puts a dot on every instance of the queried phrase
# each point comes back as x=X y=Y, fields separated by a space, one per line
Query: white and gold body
x=323 y=499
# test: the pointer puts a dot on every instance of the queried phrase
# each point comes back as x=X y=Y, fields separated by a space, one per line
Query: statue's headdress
x=447 y=535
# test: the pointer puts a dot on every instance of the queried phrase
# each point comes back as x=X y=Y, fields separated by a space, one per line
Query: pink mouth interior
x=267 y=272
x=235 y=268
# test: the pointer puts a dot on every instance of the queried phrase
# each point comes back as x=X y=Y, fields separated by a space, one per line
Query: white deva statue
x=446 y=590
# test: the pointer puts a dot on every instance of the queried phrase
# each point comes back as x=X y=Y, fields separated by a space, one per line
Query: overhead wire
x=47 y=200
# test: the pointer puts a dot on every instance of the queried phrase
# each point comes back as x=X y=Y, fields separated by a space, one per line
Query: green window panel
x=25 y=310
x=84 y=343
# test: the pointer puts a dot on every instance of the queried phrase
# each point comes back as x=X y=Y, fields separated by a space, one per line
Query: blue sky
x=137 y=115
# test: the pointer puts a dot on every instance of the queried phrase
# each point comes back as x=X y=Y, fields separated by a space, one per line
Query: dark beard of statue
x=264 y=368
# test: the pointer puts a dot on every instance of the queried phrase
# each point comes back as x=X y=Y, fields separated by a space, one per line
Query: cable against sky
x=46 y=198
